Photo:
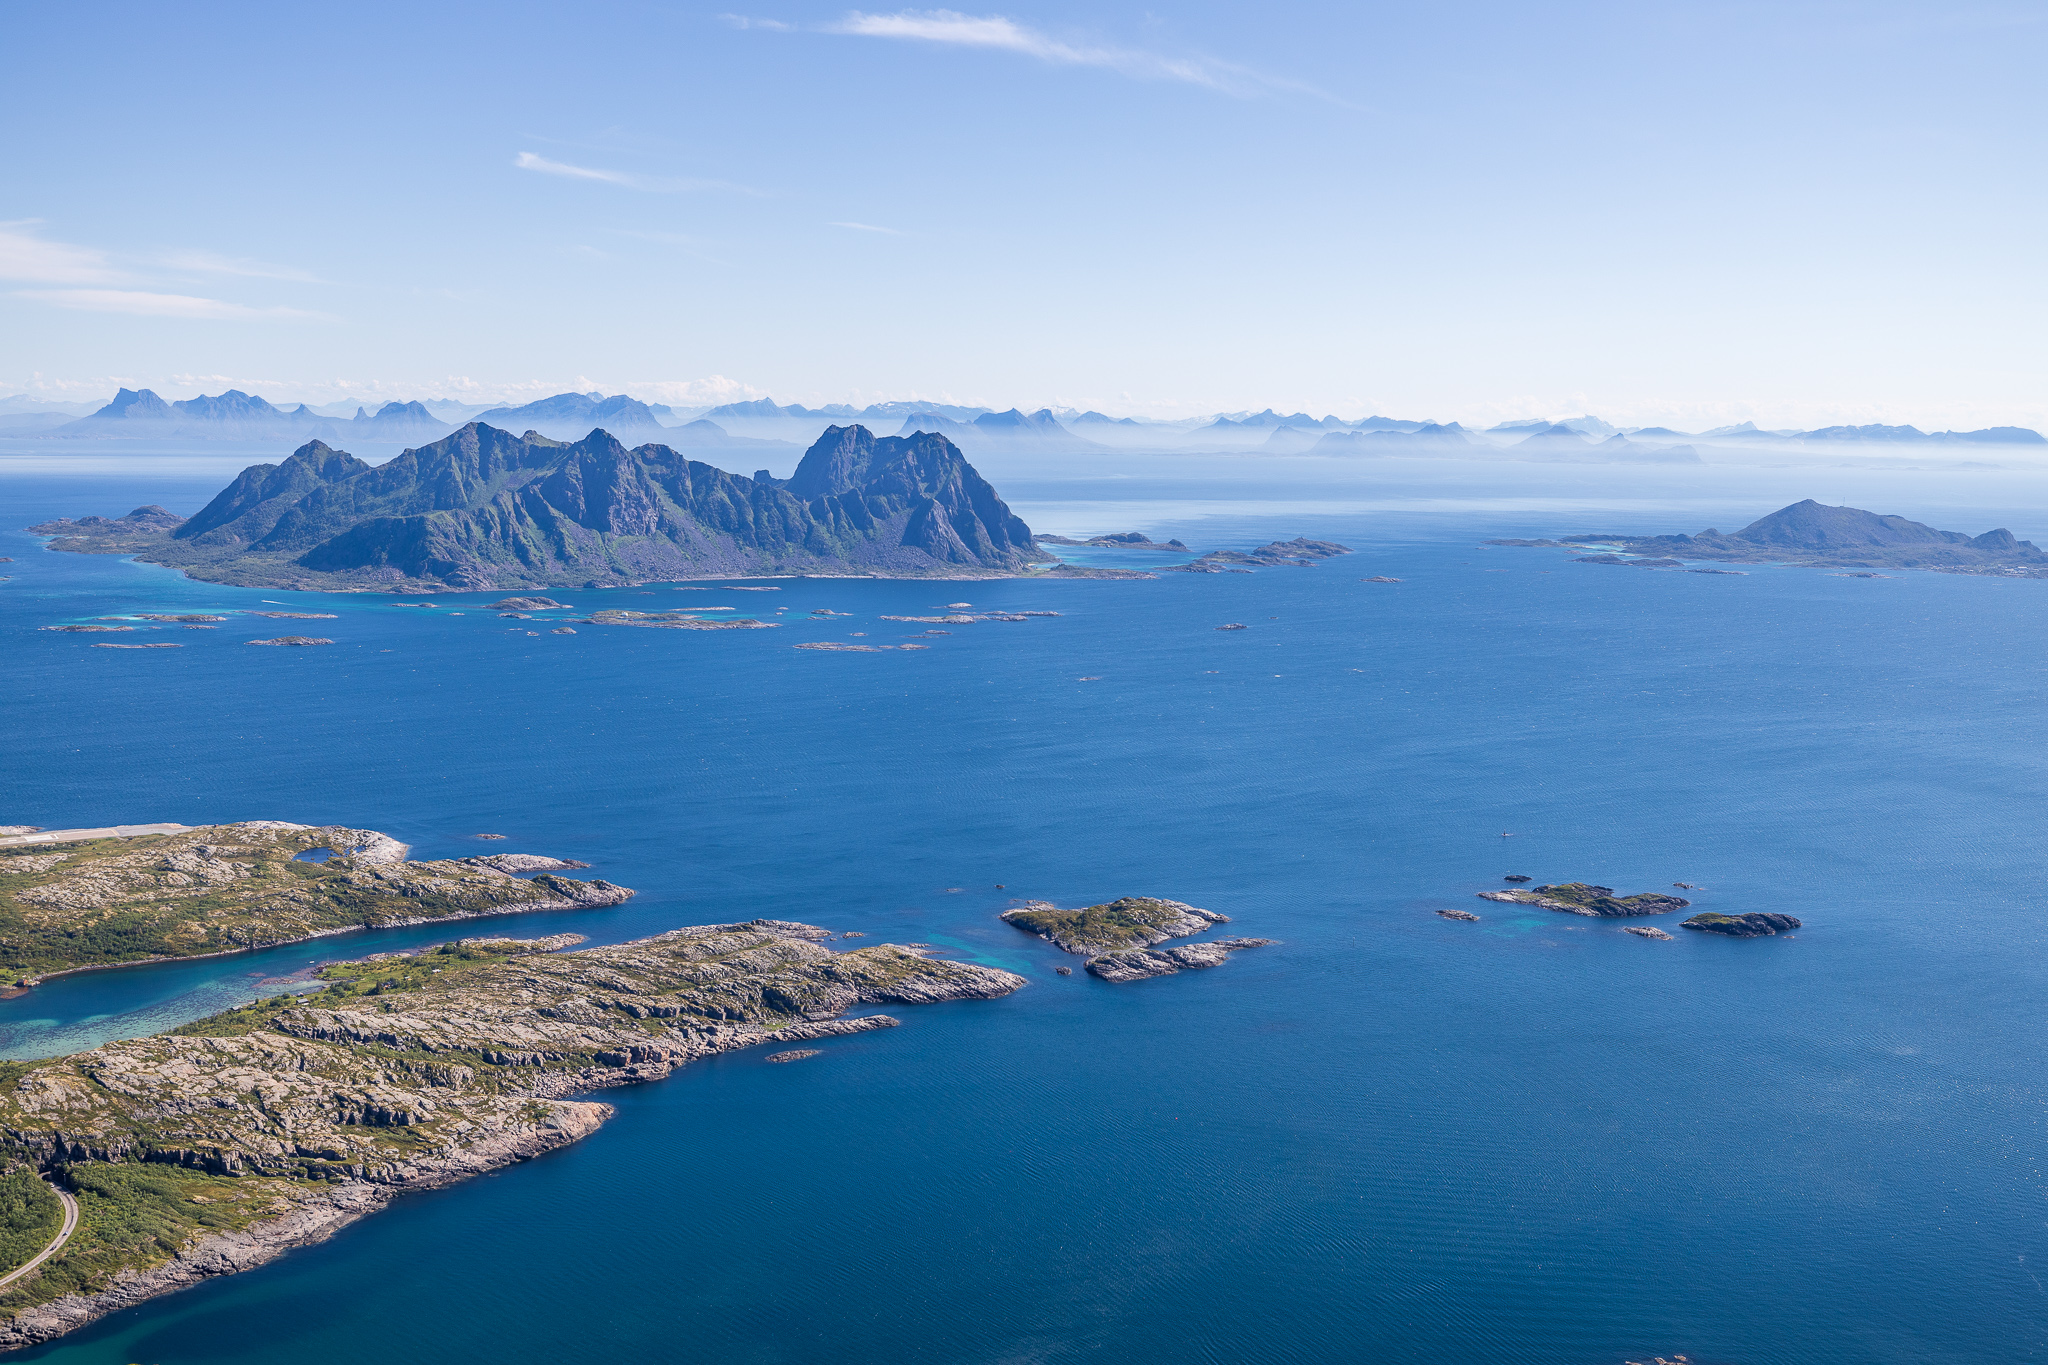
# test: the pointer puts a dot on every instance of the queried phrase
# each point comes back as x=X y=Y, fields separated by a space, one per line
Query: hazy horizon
x=1686 y=217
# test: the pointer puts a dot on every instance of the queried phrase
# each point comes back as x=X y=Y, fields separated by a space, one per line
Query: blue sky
x=1679 y=213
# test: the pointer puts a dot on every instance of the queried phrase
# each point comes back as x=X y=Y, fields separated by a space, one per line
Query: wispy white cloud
x=528 y=161
x=867 y=227
x=994 y=31
x=143 y=304
x=36 y=260
x=706 y=392
x=744 y=21
x=213 y=263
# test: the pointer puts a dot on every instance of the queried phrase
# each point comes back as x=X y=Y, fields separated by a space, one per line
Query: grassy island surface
x=214 y=1147
x=1132 y=922
x=222 y=888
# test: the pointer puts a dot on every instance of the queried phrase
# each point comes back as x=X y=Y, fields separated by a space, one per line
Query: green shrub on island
x=1132 y=922
x=30 y=1215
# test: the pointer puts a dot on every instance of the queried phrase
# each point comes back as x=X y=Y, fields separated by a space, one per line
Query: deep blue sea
x=1388 y=1138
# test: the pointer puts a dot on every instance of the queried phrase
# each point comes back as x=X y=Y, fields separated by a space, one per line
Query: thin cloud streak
x=527 y=161
x=138 y=303
x=35 y=260
x=867 y=227
x=211 y=263
x=953 y=29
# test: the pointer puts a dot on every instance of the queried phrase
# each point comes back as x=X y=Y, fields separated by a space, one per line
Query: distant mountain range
x=242 y=417
x=1012 y=432
x=1421 y=437
x=570 y=416
x=482 y=508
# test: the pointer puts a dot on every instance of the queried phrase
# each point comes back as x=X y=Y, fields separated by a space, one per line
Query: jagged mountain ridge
x=407 y=422
x=482 y=508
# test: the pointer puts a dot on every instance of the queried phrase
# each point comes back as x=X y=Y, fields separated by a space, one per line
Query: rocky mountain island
x=213 y=1148
x=482 y=508
x=222 y=888
x=1809 y=533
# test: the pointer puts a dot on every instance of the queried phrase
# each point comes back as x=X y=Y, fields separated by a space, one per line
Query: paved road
x=65 y=836
x=63 y=1236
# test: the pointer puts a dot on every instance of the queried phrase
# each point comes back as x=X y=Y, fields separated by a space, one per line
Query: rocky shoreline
x=1139 y=964
x=311 y=1221
x=214 y=890
x=287 y=1119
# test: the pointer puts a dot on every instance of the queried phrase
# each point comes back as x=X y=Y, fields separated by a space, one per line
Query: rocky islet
x=1583 y=898
x=1117 y=936
x=1756 y=924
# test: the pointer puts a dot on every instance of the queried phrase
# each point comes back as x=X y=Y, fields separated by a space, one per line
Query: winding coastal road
x=63 y=1236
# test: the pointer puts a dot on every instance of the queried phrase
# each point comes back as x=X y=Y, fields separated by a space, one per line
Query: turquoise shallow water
x=1390 y=1137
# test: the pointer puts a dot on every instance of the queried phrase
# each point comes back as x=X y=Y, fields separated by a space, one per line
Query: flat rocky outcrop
x=102 y=902
x=1122 y=540
x=676 y=620
x=1133 y=922
x=1756 y=924
x=1300 y=552
x=1139 y=964
x=268 y=1127
x=1583 y=898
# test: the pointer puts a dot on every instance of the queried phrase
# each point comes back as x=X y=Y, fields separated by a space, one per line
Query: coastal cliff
x=216 y=1147
x=223 y=888
x=482 y=508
